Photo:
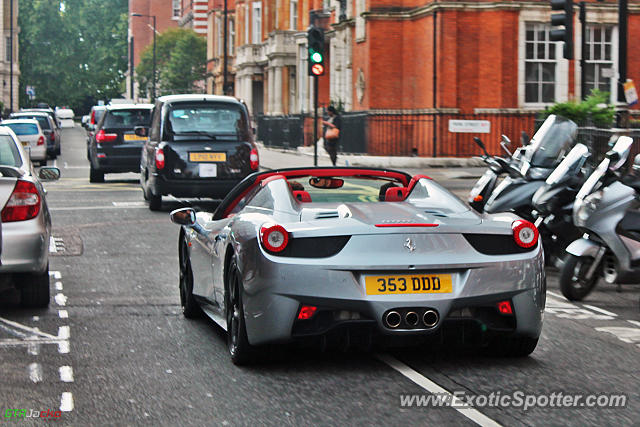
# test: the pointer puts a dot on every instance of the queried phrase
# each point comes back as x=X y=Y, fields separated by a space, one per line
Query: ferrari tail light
x=23 y=204
x=306 y=312
x=524 y=233
x=101 y=136
x=41 y=140
x=274 y=238
x=504 y=307
x=254 y=161
x=159 y=158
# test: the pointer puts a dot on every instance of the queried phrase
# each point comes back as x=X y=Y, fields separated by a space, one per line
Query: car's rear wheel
x=512 y=346
x=573 y=282
x=34 y=289
x=155 y=202
x=240 y=350
x=190 y=308
x=58 y=150
x=95 y=175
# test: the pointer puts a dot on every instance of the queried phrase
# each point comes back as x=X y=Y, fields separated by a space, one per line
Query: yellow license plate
x=207 y=157
x=133 y=137
x=409 y=284
x=24 y=143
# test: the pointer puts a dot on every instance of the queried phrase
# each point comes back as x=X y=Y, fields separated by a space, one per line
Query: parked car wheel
x=190 y=308
x=34 y=289
x=95 y=175
x=58 y=150
x=155 y=202
x=240 y=350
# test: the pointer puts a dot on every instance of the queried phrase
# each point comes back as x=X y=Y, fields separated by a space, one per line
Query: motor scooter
x=607 y=211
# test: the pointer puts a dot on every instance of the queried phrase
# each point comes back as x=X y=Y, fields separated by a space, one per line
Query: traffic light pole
x=315 y=120
x=583 y=51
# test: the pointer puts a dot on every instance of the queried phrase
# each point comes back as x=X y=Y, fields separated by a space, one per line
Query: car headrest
x=395 y=194
x=302 y=196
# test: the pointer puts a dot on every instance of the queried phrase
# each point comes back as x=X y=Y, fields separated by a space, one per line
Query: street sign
x=630 y=93
x=608 y=73
x=469 y=126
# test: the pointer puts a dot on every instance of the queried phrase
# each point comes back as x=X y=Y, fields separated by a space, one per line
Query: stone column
x=277 y=91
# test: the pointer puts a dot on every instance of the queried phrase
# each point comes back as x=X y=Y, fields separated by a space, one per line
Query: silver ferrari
x=354 y=256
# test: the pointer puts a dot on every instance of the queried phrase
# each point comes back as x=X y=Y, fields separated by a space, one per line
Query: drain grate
x=65 y=244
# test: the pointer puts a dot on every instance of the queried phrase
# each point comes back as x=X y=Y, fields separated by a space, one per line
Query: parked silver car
x=26 y=222
x=31 y=136
x=355 y=255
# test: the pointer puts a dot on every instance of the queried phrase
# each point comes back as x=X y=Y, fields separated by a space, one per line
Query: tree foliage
x=73 y=51
x=593 y=110
x=180 y=63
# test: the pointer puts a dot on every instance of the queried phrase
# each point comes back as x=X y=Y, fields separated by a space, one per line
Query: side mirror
x=183 y=216
x=506 y=139
x=49 y=173
x=141 y=131
x=524 y=137
x=481 y=145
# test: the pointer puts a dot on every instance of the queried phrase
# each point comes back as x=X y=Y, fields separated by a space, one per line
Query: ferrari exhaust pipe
x=392 y=319
x=430 y=318
x=412 y=318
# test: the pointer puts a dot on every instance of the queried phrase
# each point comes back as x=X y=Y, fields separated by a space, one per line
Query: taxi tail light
x=504 y=307
x=306 y=312
x=254 y=160
x=23 y=204
x=524 y=233
x=41 y=140
x=274 y=238
x=93 y=117
x=102 y=136
x=52 y=137
x=159 y=158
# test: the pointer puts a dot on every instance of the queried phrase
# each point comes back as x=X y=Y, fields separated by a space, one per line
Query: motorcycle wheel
x=573 y=284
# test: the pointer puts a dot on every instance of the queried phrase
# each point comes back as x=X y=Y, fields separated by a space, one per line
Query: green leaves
x=594 y=109
x=73 y=55
x=180 y=63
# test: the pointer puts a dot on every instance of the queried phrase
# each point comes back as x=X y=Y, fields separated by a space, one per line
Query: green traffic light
x=316 y=57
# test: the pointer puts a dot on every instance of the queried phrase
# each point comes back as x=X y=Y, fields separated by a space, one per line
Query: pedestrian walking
x=333 y=127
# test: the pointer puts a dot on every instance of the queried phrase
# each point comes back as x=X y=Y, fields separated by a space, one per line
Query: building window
x=540 y=64
x=219 y=40
x=293 y=15
x=256 y=27
x=232 y=37
x=599 y=70
x=246 y=24
x=176 y=8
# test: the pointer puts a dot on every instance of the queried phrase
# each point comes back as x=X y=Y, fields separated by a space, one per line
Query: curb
x=384 y=161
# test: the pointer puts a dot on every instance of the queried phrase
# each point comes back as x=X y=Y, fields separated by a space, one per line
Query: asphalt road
x=113 y=348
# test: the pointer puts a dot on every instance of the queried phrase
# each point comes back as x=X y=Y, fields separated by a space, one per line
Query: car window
x=155 y=126
x=217 y=119
x=44 y=121
x=23 y=128
x=127 y=118
x=9 y=155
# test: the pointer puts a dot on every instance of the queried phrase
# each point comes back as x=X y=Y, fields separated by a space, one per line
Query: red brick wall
x=142 y=33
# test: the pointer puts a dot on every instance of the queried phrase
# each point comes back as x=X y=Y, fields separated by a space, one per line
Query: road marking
x=625 y=334
x=36 y=318
x=52 y=245
x=64 y=314
x=35 y=332
x=35 y=372
x=634 y=322
x=93 y=208
x=33 y=349
x=56 y=275
x=66 y=402
x=567 y=310
x=601 y=310
x=424 y=382
x=58 y=286
x=129 y=204
x=64 y=333
x=66 y=374
x=63 y=347
x=60 y=299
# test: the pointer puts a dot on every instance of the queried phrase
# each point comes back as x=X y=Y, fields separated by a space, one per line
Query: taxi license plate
x=409 y=284
x=24 y=143
x=207 y=157
x=134 y=137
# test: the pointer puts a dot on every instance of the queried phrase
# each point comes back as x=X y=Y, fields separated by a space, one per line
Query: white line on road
x=58 y=286
x=64 y=314
x=66 y=402
x=601 y=310
x=556 y=295
x=35 y=372
x=52 y=245
x=92 y=208
x=63 y=347
x=64 y=333
x=66 y=374
x=424 y=382
x=60 y=299
x=34 y=331
x=634 y=322
x=56 y=275
x=33 y=349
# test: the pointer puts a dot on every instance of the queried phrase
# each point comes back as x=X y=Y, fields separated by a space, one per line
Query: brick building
x=413 y=65
x=9 y=65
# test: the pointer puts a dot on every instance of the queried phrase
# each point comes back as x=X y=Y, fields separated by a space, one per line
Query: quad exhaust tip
x=430 y=318
x=393 y=319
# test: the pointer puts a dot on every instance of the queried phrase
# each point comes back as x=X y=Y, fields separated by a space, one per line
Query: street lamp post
x=153 y=93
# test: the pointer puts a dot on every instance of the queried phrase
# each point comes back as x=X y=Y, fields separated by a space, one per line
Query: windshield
x=552 y=141
x=9 y=155
x=208 y=119
x=23 y=128
x=43 y=120
x=354 y=189
x=571 y=163
x=594 y=179
x=127 y=119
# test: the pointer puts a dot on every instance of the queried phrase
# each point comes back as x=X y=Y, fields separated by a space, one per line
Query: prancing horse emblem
x=409 y=245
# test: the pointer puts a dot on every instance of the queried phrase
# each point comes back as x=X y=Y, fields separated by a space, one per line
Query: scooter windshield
x=554 y=138
x=570 y=164
x=594 y=179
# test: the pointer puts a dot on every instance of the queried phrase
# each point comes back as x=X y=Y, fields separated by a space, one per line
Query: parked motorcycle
x=496 y=167
x=607 y=210
x=548 y=146
x=553 y=203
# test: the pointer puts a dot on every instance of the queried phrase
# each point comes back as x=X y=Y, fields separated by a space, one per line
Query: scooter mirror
x=506 y=139
x=613 y=156
x=524 y=137
x=636 y=162
x=481 y=145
